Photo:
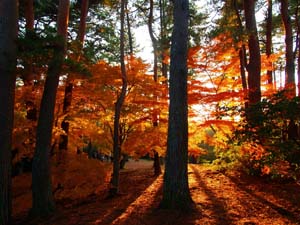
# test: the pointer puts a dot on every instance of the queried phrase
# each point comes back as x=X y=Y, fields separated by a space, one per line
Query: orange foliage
x=93 y=107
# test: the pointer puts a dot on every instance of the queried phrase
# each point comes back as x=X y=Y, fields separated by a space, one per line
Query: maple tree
x=118 y=107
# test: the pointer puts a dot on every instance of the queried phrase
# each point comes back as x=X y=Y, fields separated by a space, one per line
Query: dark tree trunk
x=82 y=25
x=269 y=39
x=156 y=164
x=129 y=29
x=242 y=54
x=153 y=40
x=176 y=193
x=29 y=14
x=123 y=161
x=114 y=189
x=163 y=38
x=155 y=120
x=27 y=75
x=156 y=159
x=289 y=55
x=254 y=65
x=298 y=45
x=292 y=130
x=8 y=38
x=298 y=72
x=64 y=138
x=42 y=197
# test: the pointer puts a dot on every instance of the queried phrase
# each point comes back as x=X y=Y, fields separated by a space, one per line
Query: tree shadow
x=219 y=207
x=150 y=213
x=142 y=210
x=279 y=209
x=97 y=208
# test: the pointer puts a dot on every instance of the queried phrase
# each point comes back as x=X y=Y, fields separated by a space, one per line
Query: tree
x=269 y=38
x=63 y=143
x=8 y=49
x=164 y=42
x=254 y=63
x=42 y=197
x=176 y=193
x=289 y=54
x=153 y=40
x=118 y=106
x=298 y=43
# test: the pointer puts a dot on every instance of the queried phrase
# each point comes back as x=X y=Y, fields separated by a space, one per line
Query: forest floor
x=220 y=198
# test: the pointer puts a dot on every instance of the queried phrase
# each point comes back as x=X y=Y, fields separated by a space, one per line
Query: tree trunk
x=42 y=197
x=242 y=57
x=289 y=55
x=242 y=54
x=27 y=75
x=123 y=161
x=114 y=189
x=29 y=14
x=64 y=138
x=156 y=160
x=156 y=164
x=82 y=25
x=163 y=37
x=129 y=29
x=254 y=64
x=176 y=193
x=8 y=54
x=269 y=39
x=153 y=40
x=298 y=46
x=298 y=72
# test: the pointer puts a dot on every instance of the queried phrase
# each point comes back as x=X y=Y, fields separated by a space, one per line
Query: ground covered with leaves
x=220 y=198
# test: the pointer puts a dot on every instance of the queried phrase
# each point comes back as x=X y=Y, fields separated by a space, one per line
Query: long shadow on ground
x=219 y=207
x=282 y=210
x=98 y=209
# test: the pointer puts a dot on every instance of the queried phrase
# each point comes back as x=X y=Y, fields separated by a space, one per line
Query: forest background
x=242 y=86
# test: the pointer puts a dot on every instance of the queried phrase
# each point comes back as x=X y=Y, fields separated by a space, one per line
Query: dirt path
x=220 y=199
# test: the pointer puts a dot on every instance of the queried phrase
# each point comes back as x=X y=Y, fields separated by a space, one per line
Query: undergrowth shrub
x=78 y=176
x=270 y=144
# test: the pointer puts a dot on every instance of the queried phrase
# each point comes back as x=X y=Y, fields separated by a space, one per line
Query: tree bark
x=242 y=54
x=29 y=15
x=8 y=54
x=114 y=189
x=254 y=64
x=156 y=164
x=130 y=42
x=82 y=25
x=269 y=39
x=298 y=45
x=123 y=161
x=64 y=138
x=153 y=40
x=289 y=55
x=27 y=74
x=163 y=38
x=42 y=197
x=298 y=60
x=176 y=193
